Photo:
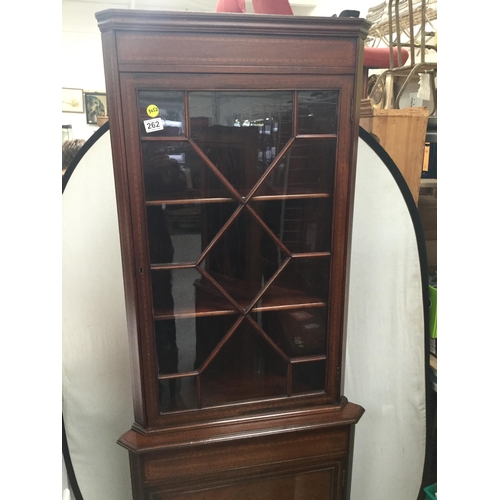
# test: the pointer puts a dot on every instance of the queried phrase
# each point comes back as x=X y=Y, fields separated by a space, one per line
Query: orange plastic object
x=379 y=57
x=272 y=7
x=230 y=6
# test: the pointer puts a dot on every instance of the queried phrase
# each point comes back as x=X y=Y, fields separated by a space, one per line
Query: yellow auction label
x=152 y=110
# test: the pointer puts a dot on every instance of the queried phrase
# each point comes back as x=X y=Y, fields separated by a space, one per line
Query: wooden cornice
x=230 y=23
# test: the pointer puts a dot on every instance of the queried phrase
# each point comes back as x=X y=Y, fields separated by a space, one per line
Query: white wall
x=82 y=63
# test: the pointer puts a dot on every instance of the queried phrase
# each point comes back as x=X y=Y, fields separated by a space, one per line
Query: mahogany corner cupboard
x=234 y=139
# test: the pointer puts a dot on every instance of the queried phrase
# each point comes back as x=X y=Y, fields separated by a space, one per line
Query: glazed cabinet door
x=237 y=196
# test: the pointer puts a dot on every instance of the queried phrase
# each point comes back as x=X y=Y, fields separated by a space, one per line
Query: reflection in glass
x=244 y=259
x=210 y=330
x=174 y=291
x=297 y=332
x=318 y=112
x=308 y=377
x=161 y=249
x=246 y=367
x=178 y=394
x=166 y=347
x=303 y=225
x=166 y=106
x=179 y=233
x=174 y=171
x=184 y=292
x=302 y=281
x=306 y=168
x=185 y=340
x=161 y=285
x=233 y=151
x=241 y=132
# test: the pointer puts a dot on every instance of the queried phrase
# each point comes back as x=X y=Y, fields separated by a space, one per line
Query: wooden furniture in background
x=234 y=145
x=401 y=132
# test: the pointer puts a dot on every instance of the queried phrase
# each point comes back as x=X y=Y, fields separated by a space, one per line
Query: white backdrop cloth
x=385 y=351
x=385 y=359
x=97 y=390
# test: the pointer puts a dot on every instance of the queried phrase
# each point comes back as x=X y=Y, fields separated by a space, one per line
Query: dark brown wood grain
x=322 y=482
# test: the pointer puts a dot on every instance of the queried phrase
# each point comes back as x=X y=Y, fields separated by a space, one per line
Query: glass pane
x=297 y=332
x=245 y=368
x=308 y=377
x=166 y=347
x=176 y=354
x=179 y=233
x=306 y=168
x=187 y=205
x=303 y=225
x=161 y=113
x=183 y=292
x=178 y=394
x=318 y=112
x=301 y=282
x=243 y=259
x=210 y=330
x=163 y=300
x=241 y=132
x=174 y=171
x=182 y=346
x=160 y=242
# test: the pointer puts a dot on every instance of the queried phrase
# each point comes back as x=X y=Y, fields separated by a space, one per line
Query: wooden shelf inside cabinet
x=211 y=302
x=234 y=176
x=292 y=196
x=195 y=197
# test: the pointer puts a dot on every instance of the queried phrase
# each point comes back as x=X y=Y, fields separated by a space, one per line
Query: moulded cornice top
x=230 y=23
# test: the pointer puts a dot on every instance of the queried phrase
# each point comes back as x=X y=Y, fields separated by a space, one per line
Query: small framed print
x=72 y=100
x=95 y=105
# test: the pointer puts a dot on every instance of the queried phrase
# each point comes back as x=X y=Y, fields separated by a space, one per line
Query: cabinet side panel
x=124 y=215
x=340 y=226
x=136 y=474
x=354 y=134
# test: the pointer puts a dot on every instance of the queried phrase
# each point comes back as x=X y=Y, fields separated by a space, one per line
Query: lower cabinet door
x=282 y=462
x=316 y=485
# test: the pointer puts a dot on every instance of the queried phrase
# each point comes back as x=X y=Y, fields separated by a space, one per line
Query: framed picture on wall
x=72 y=100
x=95 y=105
